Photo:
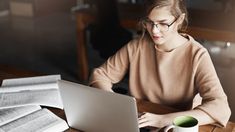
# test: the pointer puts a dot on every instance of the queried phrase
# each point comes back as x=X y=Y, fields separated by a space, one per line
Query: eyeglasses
x=164 y=27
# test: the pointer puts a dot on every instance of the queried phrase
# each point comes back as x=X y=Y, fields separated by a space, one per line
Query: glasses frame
x=156 y=25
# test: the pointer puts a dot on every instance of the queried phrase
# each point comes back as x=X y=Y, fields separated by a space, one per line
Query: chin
x=158 y=42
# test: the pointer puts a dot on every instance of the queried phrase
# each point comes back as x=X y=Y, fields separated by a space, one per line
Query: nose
x=155 y=29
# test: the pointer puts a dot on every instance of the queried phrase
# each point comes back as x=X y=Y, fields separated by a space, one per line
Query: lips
x=156 y=37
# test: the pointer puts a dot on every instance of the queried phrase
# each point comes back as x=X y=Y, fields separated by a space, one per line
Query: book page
x=19 y=88
x=31 y=80
x=8 y=115
x=41 y=120
x=40 y=90
x=46 y=97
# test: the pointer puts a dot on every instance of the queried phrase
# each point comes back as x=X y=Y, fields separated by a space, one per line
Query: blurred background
x=63 y=37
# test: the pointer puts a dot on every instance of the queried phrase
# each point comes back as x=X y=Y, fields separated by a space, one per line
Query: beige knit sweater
x=171 y=78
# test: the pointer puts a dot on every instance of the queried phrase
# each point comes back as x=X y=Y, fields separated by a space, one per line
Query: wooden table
x=202 y=25
x=143 y=106
x=7 y=72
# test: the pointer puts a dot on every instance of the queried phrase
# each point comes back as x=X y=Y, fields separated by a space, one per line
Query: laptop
x=93 y=110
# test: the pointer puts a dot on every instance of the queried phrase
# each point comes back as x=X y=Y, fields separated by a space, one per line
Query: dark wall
x=4 y=5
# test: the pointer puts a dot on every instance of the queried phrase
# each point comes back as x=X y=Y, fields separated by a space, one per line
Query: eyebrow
x=160 y=21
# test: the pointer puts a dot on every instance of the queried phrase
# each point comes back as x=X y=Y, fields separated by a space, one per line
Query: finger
x=140 y=114
x=144 y=118
x=144 y=124
x=144 y=115
x=140 y=121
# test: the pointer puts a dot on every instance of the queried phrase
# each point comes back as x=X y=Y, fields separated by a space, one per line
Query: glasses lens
x=149 y=25
x=163 y=27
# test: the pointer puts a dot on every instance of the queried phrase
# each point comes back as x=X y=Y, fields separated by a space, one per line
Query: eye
x=163 y=24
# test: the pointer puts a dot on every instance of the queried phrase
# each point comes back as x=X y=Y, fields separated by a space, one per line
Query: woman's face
x=161 y=25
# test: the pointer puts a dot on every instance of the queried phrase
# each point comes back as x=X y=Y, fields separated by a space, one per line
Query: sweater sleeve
x=214 y=100
x=114 y=69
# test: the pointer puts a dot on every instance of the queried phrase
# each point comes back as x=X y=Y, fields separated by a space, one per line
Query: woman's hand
x=159 y=121
x=153 y=120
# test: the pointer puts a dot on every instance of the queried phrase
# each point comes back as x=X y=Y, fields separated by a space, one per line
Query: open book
x=20 y=101
x=41 y=90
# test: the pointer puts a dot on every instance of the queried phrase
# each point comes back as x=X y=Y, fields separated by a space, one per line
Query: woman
x=167 y=67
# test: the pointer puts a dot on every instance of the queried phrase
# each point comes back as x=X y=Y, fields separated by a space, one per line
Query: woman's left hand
x=152 y=120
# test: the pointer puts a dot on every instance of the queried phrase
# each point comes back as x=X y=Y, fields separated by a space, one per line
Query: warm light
x=228 y=44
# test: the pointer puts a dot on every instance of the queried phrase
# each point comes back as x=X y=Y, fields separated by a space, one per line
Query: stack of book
x=20 y=105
